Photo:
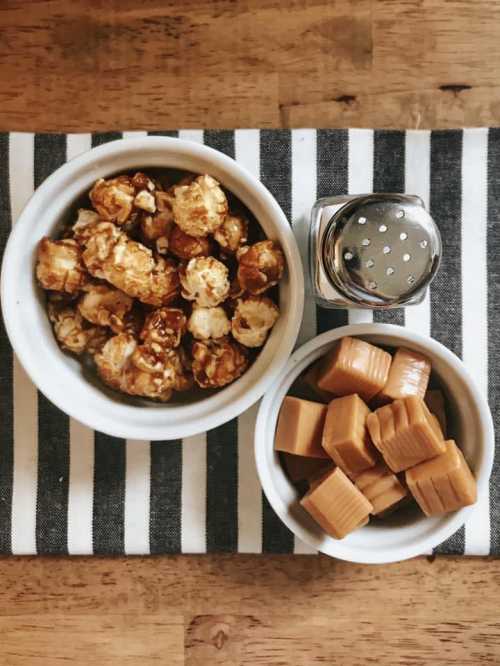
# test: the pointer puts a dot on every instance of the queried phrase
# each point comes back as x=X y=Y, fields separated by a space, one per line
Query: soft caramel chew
x=434 y=400
x=409 y=375
x=354 y=366
x=444 y=483
x=345 y=436
x=310 y=380
x=381 y=487
x=300 y=428
x=300 y=468
x=336 y=504
x=405 y=433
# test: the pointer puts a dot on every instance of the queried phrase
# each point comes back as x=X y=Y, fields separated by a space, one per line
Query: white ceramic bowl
x=406 y=533
x=59 y=376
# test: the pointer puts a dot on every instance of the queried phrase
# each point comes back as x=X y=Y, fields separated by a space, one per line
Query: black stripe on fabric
x=331 y=179
x=275 y=173
x=222 y=442
x=446 y=289
x=98 y=138
x=165 y=497
x=6 y=378
x=389 y=176
x=172 y=133
x=493 y=262
x=53 y=424
x=108 y=519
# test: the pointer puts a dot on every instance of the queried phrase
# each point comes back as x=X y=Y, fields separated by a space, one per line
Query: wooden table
x=156 y=64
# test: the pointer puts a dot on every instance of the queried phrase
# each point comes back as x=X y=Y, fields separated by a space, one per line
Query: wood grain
x=109 y=64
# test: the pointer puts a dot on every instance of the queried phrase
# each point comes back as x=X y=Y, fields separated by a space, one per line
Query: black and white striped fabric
x=67 y=489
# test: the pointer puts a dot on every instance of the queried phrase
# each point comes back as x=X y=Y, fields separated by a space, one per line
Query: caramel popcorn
x=260 y=266
x=84 y=225
x=73 y=332
x=205 y=280
x=105 y=306
x=253 y=318
x=59 y=265
x=218 y=362
x=200 y=207
x=164 y=326
x=208 y=323
x=232 y=233
x=113 y=199
x=130 y=266
x=187 y=247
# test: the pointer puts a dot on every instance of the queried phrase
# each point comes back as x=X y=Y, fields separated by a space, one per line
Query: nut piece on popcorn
x=252 y=320
x=200 y=207
x=205 y=280
x=59 y=265
x=105 y=306
x=218 y=362
x=73 y=332
x=187 y=247
x=232 y=233
x=208 y=323
x=260 y=266
x=164 y=326
x=113 y=199
x=130 y=266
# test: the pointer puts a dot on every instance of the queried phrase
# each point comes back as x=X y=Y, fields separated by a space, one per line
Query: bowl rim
x=266 y=422
x=80 y=167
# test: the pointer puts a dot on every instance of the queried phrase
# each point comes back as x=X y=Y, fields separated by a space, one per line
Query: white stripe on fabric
x=76 y=144
x=360 y=181
x=247 y=150
x=418 y=181
x=25 y=479
x=191 y=135
x=475 y=301
x=134 y=135
x=249 y=490
x=194 y=494
x=303 y=198
x=80 y=491
x=137 y=494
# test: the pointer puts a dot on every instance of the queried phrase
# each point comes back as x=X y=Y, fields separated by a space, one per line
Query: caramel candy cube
x=354 y=366
x=310 y=379
x=444 y=483
x=300 y=428
x=345 y=435
x=405 y=433
x=381 y=487
x=300 y=468
x=409 y=375
x=336 y=504
x=434 y=400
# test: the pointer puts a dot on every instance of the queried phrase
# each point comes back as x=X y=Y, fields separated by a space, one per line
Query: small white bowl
x=59 y=376
x=406 y=533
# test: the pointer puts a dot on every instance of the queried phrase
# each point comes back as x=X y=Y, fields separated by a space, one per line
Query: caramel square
x=381 y=487
x=434 y=399
x=336 y=504
x=443 y=484
x=409 y=375
x=300 y=468
x=354 y=366
x=405 y=433
x=300 y=428
x=345 y=435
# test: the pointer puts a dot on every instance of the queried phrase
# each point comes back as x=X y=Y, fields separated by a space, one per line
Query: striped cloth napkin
x=67 y=489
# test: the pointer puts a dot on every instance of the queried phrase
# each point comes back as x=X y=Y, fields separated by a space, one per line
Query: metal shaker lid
x=381 y=249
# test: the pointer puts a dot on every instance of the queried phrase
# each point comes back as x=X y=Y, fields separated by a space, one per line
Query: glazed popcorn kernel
x=208 y=323
x=59 y=265
x=260 y=267
x=200 y=207
x=253 y=319
x=205 y=281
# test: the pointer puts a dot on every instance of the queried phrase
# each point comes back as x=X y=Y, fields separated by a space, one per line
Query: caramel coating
x=130 y=266
x=232 y=233
x=73 y=332
x=59 y=265
x=105 y=306
x=165 y=326
x=187 y=247
x=199 y=207
x=260 y=266
x=253 y=319
x=218 y=362
x=205 y=280
x=113 y=199
x=208 y=323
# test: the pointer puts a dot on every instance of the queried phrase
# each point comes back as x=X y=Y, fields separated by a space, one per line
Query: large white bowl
x=59 y=376
x=407 y=533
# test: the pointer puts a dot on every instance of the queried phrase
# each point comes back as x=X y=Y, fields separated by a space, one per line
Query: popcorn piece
x=85 y=224
x=73 y=332
x=253 y=319
x=218 y=362
x=113 y=199
x=59 y=265
x=165 y=327
x=208 y=323
x=200 y=207
x=105 y=306
x=205 y=280
x=260 y=266
x=187 y=247
x=146 y=201
x=232 y=233
x=130 y=266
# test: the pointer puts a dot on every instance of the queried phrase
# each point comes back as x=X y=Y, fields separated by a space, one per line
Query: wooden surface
x=81 y=66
